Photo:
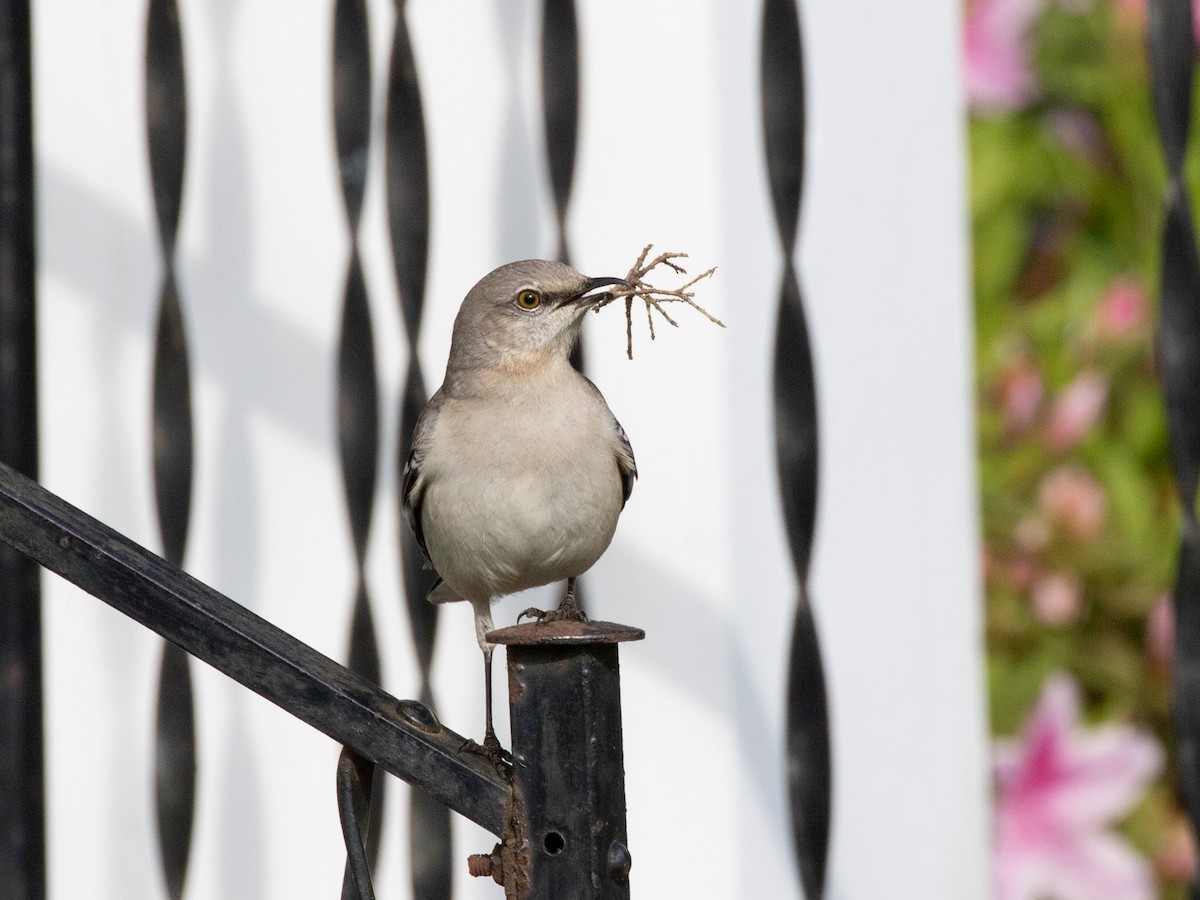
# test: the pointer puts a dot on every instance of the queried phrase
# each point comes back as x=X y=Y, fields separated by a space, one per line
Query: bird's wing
x=413 y=479
x=626 y=464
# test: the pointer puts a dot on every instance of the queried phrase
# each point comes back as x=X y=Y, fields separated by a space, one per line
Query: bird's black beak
x=591 y=291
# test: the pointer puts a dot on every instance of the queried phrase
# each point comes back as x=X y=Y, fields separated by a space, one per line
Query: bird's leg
x=490 y=748
x=567 y=609
x=491 y=744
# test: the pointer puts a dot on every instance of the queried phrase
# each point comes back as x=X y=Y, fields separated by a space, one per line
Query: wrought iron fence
x=563 y=686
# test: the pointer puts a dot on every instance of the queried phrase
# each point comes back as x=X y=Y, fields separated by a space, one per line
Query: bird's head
x=524 y=313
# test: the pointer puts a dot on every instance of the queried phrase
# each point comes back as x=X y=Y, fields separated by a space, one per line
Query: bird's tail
x=442 y=593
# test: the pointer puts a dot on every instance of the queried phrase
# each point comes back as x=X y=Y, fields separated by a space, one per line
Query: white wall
x=669 y=152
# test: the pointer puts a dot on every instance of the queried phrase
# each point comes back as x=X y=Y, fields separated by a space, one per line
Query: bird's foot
x=490 y=750
x=568 y=610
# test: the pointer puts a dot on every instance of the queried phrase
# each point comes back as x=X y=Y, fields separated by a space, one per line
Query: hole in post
x=554 y=843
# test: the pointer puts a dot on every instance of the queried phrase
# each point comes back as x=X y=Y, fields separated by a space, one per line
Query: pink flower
x=1134 y=12
x=1059 y=788
x=1071 y=497
x=1021 y=393
x=996 y=53
x=1176 y=857
x=1079 y=132
x=1160 y=634
x=1018 y=571
x=1122 y=309
x=1076 y=409
x=1032 y=534
x=1057 y=599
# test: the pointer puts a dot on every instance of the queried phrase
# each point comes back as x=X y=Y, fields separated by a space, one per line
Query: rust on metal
x=563 y=632
x=487 y=865
x=516 y=686
x=514 y=851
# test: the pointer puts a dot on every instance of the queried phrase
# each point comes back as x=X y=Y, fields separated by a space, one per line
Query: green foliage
x=1066 y=203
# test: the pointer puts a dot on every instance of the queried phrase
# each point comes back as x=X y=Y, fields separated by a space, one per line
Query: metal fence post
x=22 y=812
x=566 y=835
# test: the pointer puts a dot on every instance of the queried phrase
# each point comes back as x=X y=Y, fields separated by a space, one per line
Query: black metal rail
x=401 y=736
x=559 y=809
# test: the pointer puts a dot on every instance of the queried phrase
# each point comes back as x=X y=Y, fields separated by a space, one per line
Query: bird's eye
x=529 y=299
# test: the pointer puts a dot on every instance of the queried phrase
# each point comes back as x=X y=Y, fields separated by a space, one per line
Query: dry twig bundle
x=653 y=296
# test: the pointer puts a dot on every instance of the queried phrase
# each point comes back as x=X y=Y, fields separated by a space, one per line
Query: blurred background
x=1078 y=505
x=937 y=229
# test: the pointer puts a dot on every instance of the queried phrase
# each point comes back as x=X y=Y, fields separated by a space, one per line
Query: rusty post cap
x=564 y=631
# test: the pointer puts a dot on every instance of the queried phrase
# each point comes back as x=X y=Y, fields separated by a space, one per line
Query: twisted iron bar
x=166 y=132
x=560 y=107
x=807 y=722
x=1171 y=48
x=407 y=185
x=357 y=413
x=560 y=127
x=355 y=776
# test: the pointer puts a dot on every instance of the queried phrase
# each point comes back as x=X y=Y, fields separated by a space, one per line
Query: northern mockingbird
x=518 y=469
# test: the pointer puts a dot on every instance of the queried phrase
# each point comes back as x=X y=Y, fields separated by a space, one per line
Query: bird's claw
x=565 y=612
x=490 y=750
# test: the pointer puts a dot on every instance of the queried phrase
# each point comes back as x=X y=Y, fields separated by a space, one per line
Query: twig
x=653 y=296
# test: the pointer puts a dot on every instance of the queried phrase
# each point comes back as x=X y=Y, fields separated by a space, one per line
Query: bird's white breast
x=523 y=486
